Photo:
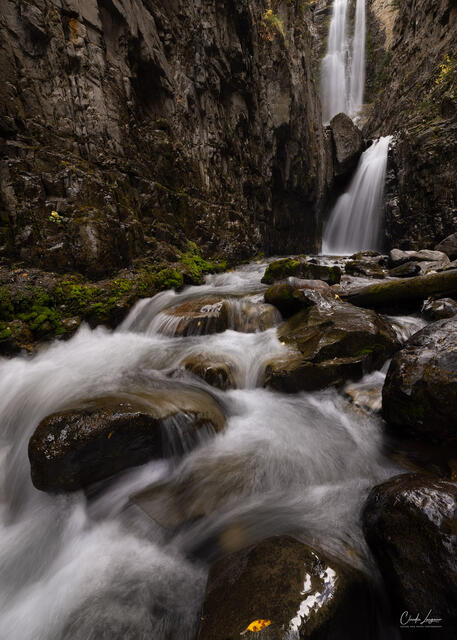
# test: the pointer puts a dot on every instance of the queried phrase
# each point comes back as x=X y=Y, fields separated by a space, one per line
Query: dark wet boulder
x=448 y=246
x=299 y=267
x=439 y=309
x=302 y=591
x=405 y=292
x=72 y=449
x=420 y=391
x=293 y=294
x=216 y=371
x=329 y=343
x=405 y=270
x=410 y=524
x=292 y=372
x=347 y=144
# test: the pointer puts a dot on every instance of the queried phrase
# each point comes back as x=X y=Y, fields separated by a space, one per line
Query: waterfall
x=355 y=222
x=358 y=61
x=343 y=67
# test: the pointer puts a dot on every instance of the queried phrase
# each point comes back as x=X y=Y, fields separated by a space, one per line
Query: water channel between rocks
x=95 y=565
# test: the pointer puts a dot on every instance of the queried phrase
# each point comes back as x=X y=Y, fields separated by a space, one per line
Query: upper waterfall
x=343 y=67
x=354 y=222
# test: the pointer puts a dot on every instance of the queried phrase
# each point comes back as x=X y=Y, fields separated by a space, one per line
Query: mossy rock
x=299 y=267
x=396 y=294
x=328 y=344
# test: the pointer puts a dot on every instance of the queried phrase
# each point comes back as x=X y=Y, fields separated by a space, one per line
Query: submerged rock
x=439 y=309
x=348 y=143
x=214 y=315
x=330 y=343
x=216 y=371
x=195 y=317
x=410 y=523
x=394 y=294
x=299 y=267
x=448 y=246
x=74 y=448
x=294 y=294
x=249 y=317
x=420 y=391
x=302 y=591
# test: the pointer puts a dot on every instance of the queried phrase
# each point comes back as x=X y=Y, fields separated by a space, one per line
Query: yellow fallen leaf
x=255 y=626
x=110 y=434
x=337 y=297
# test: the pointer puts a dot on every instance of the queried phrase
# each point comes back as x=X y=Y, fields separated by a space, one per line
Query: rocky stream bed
x=276 y=444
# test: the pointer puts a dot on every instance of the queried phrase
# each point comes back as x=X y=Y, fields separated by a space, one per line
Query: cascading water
x=343 y=67
x=87 y=567
x=355 y=222
x=357 y=75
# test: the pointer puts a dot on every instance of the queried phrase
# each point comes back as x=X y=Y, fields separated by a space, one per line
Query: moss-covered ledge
x=38 y=306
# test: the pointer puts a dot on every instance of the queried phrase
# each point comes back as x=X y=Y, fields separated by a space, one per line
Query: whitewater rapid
x=93 y=565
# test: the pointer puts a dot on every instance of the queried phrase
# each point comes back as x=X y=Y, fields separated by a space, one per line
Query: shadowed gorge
x=228 y=320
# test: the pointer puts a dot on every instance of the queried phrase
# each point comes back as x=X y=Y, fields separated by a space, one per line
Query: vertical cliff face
x=415 y=96
x=146 y=123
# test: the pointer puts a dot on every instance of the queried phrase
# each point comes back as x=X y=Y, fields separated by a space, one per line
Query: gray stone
x=347 y=141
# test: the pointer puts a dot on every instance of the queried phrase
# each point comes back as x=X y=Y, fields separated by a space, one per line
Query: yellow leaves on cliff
x=255 y=626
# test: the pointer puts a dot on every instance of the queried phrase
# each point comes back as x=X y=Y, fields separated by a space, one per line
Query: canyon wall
x=413 y=85
x=148 y=123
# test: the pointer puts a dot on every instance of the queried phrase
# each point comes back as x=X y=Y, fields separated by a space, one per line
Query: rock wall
x=416 y=98
x=146 y=123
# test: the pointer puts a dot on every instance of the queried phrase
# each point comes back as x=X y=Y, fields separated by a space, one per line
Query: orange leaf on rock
x=256 y=625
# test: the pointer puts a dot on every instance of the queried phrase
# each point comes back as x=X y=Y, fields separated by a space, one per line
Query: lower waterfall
x=355 y=222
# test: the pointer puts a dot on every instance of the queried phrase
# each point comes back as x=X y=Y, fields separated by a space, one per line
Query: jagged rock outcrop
x=347 y=144
x=146 y=123
x=416 y=97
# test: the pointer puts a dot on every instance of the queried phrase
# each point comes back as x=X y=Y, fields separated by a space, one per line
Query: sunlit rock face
x=301 y=591
x=143 y=124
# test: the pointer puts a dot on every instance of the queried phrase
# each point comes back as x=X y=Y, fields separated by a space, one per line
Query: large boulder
x=410 y=523
x=398 y=257
x=329 y=343
x=396 y=294
x=420 y=391
x=293 y=294
x=347 y=144
x=448 y=246
x=299 y=267
x=72 y=449
x=300 y=591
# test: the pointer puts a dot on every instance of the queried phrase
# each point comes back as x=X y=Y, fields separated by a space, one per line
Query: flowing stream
x=343 y=66
x=355 y=223
x=94 y=565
